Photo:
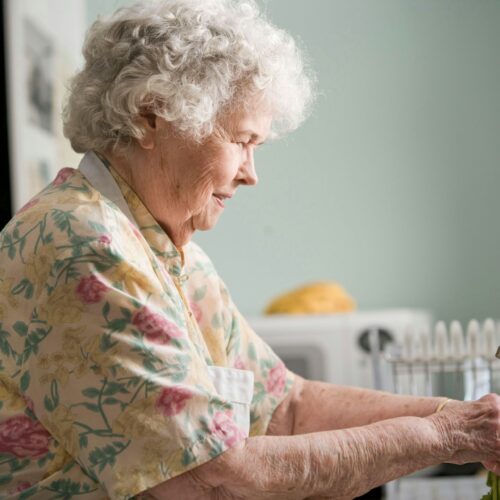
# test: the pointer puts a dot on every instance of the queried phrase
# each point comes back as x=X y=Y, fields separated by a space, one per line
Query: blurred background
x=391 y=188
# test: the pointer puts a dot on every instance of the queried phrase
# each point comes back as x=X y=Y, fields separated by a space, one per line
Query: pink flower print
x=224 y=427
x=155 y=327
x=19 y=487
x=22 y=485
x=90 y=289
x=24 y=437
x=104 y=239
x=196 y=310
x=172 y=400
x=239 y=363
x=28 y=205
x=63 y=175
x=275 y=383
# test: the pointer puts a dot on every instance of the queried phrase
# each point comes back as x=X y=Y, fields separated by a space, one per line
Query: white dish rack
x=448 y=362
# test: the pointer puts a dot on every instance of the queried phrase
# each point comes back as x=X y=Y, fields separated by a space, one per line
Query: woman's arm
x=337 y=464
x=344 y=463
x=313 y=406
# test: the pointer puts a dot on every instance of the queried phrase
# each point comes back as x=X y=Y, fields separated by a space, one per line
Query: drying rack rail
x=447 y=362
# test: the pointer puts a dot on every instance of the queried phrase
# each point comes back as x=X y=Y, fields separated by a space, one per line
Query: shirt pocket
x=236 y=386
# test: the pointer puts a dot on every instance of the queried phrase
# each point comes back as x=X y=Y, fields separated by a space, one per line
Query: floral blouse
x=108 y=334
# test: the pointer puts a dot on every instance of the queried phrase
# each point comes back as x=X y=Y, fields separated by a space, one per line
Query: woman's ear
x=148 y=123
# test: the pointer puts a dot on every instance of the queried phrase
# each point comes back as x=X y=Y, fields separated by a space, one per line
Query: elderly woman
x=126 y=368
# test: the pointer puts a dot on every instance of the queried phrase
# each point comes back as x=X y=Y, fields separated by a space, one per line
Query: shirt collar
x=110 y=184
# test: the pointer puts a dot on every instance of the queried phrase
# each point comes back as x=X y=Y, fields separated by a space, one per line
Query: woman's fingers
x=492 y=466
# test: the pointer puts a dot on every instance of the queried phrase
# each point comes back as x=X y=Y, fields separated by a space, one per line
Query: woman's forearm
x=361 y=458
x=339 y=464
x=321 y=406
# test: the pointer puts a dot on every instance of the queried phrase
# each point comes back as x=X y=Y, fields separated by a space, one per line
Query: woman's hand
x=471 y=431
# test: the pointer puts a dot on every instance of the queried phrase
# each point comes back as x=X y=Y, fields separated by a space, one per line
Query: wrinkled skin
x=473 y=431
x=344 y=463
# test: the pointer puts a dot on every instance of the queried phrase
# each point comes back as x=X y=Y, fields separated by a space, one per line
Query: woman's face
x=184 y=184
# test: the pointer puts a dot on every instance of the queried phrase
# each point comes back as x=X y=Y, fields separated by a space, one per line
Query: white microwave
x=335 y=348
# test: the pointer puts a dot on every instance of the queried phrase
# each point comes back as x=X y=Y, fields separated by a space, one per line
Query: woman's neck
x=137 y=172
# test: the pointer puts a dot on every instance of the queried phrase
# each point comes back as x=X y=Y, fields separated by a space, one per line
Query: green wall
x=392 y=187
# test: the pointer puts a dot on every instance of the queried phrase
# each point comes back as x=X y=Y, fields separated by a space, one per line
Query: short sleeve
x=247 y=351
x=113 y=371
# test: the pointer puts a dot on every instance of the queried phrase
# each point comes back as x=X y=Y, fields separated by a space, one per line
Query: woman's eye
x=246 y=144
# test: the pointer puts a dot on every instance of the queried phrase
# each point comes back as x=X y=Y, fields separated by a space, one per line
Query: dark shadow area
x=375 y=494
x=5 y=194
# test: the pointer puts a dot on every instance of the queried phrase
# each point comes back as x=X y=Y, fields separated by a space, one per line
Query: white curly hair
x=186 y=61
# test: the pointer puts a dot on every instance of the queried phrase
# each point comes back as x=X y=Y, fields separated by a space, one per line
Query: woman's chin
x=205 y=223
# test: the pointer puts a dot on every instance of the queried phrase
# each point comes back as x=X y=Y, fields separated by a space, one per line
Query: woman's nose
x=247 y=174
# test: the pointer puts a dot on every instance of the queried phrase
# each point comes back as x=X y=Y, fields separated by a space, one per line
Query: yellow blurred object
x=315 y=298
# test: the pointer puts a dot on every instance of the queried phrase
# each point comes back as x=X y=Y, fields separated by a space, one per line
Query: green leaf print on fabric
x=216 y=321
x=252 y=354
x=21 y=328
x=91 y=392
x=188 y=457
x=5 y=346
x=25 y=381
x=106 y=343
x=28 y=493
x=105 y=310
x=106 y=456
x=79 y=244
x=90 y=406
x=6 y=240
x=84 y=441
x=199 y=293
x=216 y=450
x=9 y=242
x=68 y=489
x=118 y=325
x=46 y=458
x=25 y=287
x=259 y=393
x=5 y=479
x=62 y=219
x=115 y=387
x=98 y=227
x=31 y=343
x=51 y=401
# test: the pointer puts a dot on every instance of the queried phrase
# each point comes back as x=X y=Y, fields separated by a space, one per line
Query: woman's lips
x=219 y=198
x=219 y=201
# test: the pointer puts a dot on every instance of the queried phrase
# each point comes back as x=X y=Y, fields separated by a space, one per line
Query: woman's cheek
x=227 y=165
x=202 y=196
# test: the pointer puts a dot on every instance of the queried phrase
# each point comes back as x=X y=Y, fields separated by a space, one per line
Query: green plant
x=493 y=482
